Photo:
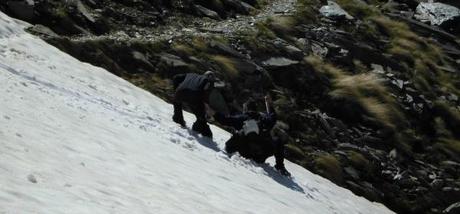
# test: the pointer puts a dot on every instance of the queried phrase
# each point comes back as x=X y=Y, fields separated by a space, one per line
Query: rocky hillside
x=367 y=90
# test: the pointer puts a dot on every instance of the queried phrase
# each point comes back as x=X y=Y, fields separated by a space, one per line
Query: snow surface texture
x=76 y=139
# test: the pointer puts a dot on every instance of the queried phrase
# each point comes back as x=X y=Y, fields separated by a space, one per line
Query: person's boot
x=179 y=120
x=282 y=170
x=202 y=128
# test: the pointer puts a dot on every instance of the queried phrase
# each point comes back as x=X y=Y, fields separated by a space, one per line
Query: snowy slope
x=76 y=139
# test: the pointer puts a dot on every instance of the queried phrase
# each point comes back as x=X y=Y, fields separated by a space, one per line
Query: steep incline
x=200 y=26
x=76 y=139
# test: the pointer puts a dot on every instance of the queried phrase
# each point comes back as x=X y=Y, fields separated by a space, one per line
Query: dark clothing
x=257 y=147
x=192 y=90
x=266 y=120
x=192 y=82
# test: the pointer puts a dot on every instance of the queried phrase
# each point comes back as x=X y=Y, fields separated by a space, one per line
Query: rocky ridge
x=368 y=97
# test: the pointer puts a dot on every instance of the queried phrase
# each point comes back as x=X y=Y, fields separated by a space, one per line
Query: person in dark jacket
x=254 y=138
x=193 y=90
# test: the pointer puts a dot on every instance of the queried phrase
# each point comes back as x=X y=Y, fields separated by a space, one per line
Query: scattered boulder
x=81 y=8
x=141 y=61
x=453 y=208
x=290 y=50
x=172 y=60
x=277 y=62
x=333 y=11
x=438 y=14
x=352 y=172
x=203 y=11
x=220 y=47
x=43 y=31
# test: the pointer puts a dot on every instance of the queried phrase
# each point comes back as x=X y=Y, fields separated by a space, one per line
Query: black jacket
x=266 y=120
x=192 y=82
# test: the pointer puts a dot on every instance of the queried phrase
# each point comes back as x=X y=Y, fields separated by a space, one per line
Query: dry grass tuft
x=226 y=64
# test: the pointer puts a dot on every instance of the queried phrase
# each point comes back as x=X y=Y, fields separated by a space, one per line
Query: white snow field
x=76 y=139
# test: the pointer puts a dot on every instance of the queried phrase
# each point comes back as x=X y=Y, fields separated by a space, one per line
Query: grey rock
x=42 y=31
x=453 y=97
x=319 y=50
x=141 y=58
x=450 y=163
x=290 y=49
x=172 y=60
x=352 y=172
x=293 y=51
x=337 y=123
x=247 y=7
x=333 y=11
x=422 y=173
x=324 y=123
x=377 y=69
x=437 y=183
x=225 y=49
x=393 y=154
x=85 y=12
x=421 y=189
x=279 y=62
x=348 y=146
x=450 y=189
x=398 y=83
x=203 y=11
x=409 y=98
x=248 y=67
x=453 y=208
x=436 y=13
x=371 y=140
x=342 y=153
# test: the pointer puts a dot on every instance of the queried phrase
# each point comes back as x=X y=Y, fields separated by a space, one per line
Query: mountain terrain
x=367 y=90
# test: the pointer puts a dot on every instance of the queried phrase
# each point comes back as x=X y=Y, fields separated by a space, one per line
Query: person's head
x=210 y=75
x=250 y=105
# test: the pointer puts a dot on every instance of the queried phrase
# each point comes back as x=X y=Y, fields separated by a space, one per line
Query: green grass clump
x=365 y=89
x=227 y=65
x=283 y=25
x=183 y=49
x=264 y=31
x=307 y=11
x=358 y=161
x=328 y=166
x=450 y=117
x=358 y=9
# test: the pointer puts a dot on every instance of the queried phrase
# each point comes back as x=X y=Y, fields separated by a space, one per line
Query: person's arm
x=269 y=118
x=177 y=80
x=269 y=105
x=235 y=121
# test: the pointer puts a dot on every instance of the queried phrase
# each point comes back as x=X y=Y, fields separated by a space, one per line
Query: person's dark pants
x=257 y=148
x=194 y=100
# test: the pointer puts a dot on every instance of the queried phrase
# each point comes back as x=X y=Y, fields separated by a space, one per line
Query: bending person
x=193 y=90
x=253 y=137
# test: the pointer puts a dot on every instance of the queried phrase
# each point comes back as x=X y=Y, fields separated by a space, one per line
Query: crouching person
x=254 y=138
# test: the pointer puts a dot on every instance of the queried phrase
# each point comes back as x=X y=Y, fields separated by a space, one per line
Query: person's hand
x=209 y=111
x=268 y=99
